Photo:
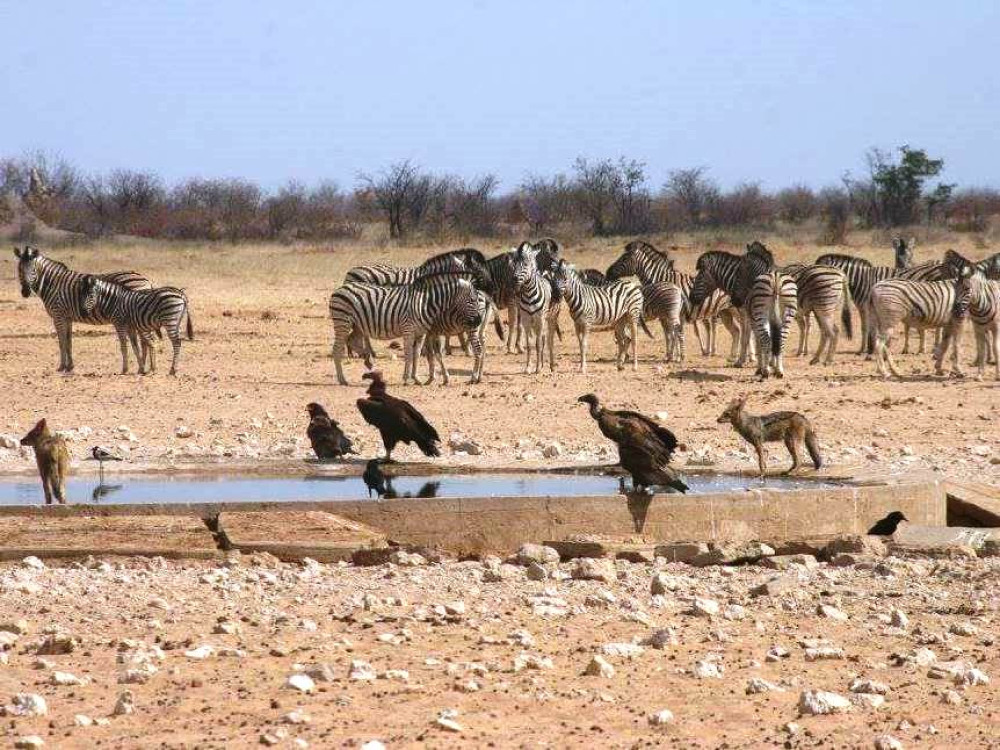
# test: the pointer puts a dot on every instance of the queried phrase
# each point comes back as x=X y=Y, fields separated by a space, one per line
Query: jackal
x=789 y=426
x=52 y=459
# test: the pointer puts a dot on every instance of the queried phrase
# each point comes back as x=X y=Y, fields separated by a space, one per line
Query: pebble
x=661 y=717
x=758 y=685
x=202 y=652
x=868 y=700
x=708 y=670
x=594 y=569
x=704 y=607
x=887 y=742
x=831 y=612
x=65 y=678
x=373 y=745
x=361 y=671
x=33 y=563
x=898 y=619
x=302 y=682
x=297 y=716
x=599 y=667
x=531 y=661
x=26 y=704
x=859 y=685
x=820 y=702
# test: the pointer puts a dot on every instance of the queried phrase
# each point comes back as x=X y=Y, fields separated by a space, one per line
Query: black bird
x=887 y=526
x=328 y=440
x=374 y=478
x=395 y=419
x=101 y=455
x=644 y=447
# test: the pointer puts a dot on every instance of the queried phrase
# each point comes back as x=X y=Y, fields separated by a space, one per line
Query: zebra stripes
x=771 y=305
x=921 y=304
x=823 y=291
x=453 y=322
x=664 y=301
x=466 y=259
x=59 y=288
x=978 y=298
x=139 y=311
x=616 y=306
x=534 y=305
x=410 y=312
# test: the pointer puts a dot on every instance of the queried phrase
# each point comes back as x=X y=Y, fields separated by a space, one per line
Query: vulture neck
x=376 y=390
x=595 y=410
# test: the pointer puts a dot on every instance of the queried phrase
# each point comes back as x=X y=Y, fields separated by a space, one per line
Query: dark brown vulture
x=644 y=447
x=328 y=440
x=395 y=419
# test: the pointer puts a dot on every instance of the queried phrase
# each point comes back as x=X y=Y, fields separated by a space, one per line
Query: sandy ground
x=206 y=653
x=262 y=351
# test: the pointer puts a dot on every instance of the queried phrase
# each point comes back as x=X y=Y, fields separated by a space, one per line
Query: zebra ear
x=17 y=251
x=31 y=252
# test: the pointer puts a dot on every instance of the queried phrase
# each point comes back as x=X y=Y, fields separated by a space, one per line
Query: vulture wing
x=664 y=435
x=419 y=429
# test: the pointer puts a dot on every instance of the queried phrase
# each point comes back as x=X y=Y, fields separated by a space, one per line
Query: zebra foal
x=59 y=289
x=139 y=311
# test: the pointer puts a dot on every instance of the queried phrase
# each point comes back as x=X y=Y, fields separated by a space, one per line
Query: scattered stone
x=362 y=671
x=831 y=612
x=56 y=644
x=776 y=653
x=661 y=717
x=758 y=685
x=704 y=607
x=536 y=553
x=302 y=682
x=887 y=742
x=823 y=653
x=681 y=551
x=821 y=702
x=536 y=572
x=972 y=677
x=868 y=700
x=590 y=569
x=662 y=584
x=461 y=444
x=789 y=562
x=708 y=670
x=622 y=650
x=373 y=745
x=17 y=627
x=859 y=685
x=662 y=638
x=65 y=678
x=531 y=661
x=951 y=698
x=33 y=563
x=183 y=431
x=552 y=450
x=29 y=742
x=320 y=672
x=898 y=619
x=125 y=705
x=599 y=667
x=863 y=545
x=200 y=653
x=731 y=553
x=776 y=586
x=26 y=704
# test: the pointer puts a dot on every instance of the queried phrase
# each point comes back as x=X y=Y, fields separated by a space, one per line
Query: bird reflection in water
x=428 y=489
x=101 y=491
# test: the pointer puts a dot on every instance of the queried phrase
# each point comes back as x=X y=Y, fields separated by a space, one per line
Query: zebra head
x=548 y=253
x=524 y=264
x=968 y=288
x=467 y=305
x=707 y=276
x=27 y=268
x=904 y=251
x=627 y=263
x=954 y=263
x=564 y=275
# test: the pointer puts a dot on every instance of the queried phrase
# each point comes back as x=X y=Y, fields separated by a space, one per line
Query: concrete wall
x=476 y=525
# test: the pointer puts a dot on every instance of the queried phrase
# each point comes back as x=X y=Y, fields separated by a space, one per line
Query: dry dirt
x=262 y=352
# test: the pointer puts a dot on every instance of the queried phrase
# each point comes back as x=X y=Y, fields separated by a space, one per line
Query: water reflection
x=101 y=491
x=428 y=489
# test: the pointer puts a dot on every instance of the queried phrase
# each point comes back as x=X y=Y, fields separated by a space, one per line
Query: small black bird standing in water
x=374 y=478
x=325 y=435
x=101 y=455
x=644 y=446
x=887 y=526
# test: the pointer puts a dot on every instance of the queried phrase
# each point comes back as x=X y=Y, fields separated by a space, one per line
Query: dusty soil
x=207 y=651
x=262 y=351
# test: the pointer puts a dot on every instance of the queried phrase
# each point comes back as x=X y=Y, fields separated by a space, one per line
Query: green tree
x=899 y=185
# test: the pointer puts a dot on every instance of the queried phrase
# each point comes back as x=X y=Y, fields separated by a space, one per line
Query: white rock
x=623 y=650
x=65 y=678
x=82 y=720
x=301 y=682
x=663 y=584
x=593 y=569
x=373 y=745
x=887 y=742
x=874 y=687
x=758 y=685
x=362 y=671
x=704 y=607
x=33 y=562
x=819 y=702
x=183 y=431
x=898 y=619
x=599 y=667
x=824 y=652
x=868 y=700
x=531 y=661
x=449 y=724
x=708 y=670
x=827 y=610
x=658 y=719
x=202 y=652
x=27 y=704
x=29 y=742
x=298 y=716
x=972 y=677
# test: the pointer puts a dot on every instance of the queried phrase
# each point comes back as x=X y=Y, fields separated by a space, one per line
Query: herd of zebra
x=461 y=293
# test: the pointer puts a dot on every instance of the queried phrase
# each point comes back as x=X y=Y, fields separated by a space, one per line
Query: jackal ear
x=42 y=424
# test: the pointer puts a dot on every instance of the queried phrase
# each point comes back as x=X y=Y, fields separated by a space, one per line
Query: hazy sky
x=778 y=92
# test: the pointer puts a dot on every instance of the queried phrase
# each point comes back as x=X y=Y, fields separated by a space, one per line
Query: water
x=211 y=489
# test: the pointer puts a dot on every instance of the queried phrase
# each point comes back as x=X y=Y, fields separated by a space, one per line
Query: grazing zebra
x=823 y=291
x=454 y=324
x=616 y=306
x=410 y=312
x=139 y=311
x=59 y=289
x=664 y=301
x=651 y=265
x=771 y=305
x=922 y=304
x=534 y=306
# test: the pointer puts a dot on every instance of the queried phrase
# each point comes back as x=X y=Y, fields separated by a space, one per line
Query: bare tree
x=691 y=194
x=835 y=207
x=595 y=191
x=286 y=209
x=546 y=201
x=796 y=204
x=472 y=206
x=401 y=192
x=630 y=197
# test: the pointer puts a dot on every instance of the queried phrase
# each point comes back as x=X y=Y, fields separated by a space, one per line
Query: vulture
x=328 y=440
x=644 y=447
x=374 y=478
x=395 y=419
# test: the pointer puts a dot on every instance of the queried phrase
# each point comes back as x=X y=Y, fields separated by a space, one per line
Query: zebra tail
x=190 y=326
x=845 y=312
x=642 y=322
x=497 y=325
x=558 y=330
x=774 y=323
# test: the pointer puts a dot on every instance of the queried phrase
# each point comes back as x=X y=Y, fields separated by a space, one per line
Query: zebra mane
x=857 y=261
x=713 y=255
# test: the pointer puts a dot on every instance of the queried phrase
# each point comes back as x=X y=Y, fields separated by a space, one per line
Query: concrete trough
x=472 y=526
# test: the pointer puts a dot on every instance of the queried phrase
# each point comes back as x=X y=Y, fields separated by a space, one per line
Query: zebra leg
x=745 y=330
x=679 y=338
x=582 y=336
x=340 y=339
x=550 y=330
x=763 y=351
x=123 y=337
x=540 y=334
x=729 y=323
x=668 y=341
x=430 y=353
x=802 y=321
x=635 y=344
x=705 y=346
x=175 y=342
x=826 y=336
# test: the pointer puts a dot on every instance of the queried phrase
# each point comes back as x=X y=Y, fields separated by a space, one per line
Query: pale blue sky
x=778 y=92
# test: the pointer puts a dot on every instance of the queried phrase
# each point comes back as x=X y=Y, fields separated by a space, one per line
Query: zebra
x=450 y=324
x=771 y=304
x=735 y=275
x=978 y=297
x=534 y=302
x=822 y=291
x=922 y=304
x=651 y=265
x=139 y=311
x=664 y=301
x=59 y=289
x=410 y=312
x=616 y=306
